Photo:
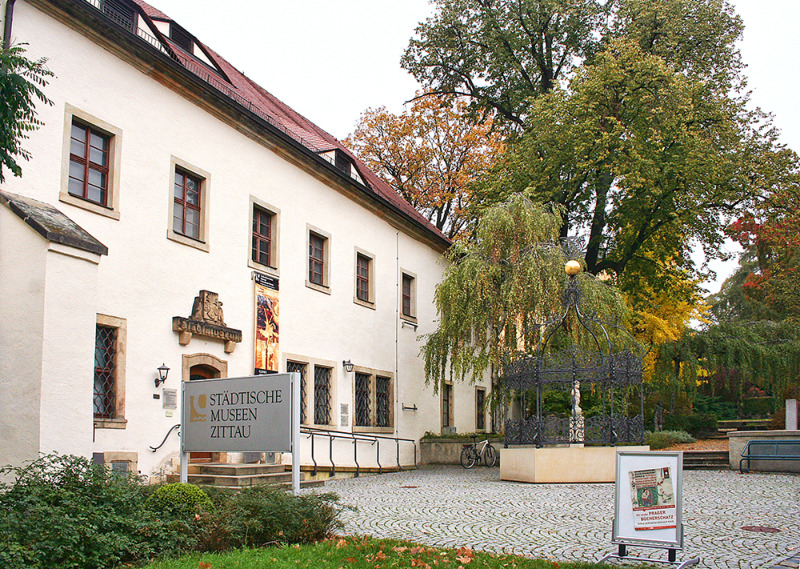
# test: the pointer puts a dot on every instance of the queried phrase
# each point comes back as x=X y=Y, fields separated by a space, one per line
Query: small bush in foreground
x=178 y=499
x=261 y=515
x=664 y=439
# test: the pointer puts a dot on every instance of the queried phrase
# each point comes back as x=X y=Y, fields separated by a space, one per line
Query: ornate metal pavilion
x=613 y=378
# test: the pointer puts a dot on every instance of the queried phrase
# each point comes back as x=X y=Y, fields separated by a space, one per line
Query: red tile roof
x=292 y=122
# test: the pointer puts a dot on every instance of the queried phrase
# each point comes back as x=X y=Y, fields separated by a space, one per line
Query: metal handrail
x=373 y=439
x=172 y=428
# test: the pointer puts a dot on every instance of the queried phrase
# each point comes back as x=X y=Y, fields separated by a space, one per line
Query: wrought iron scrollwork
x=530 y=380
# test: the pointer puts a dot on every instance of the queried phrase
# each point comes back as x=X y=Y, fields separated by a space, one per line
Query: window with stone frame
x=89 y=164
x=373 y=396
x=108 y=397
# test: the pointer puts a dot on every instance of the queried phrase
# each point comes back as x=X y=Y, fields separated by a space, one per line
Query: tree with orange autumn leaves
x=430 y=154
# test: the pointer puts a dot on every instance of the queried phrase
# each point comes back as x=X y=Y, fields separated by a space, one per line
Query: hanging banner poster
x=653 y=499
x=266 y=339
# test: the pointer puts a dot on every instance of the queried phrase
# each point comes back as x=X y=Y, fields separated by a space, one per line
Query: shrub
x=64 y=512
x=694 y=423
x=262 y=514
x=664 y=439
x=178 y=500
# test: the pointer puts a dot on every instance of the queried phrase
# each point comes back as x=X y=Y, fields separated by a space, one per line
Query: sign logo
x=194 y=415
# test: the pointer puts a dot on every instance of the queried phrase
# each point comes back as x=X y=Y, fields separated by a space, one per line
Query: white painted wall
x=147 y=279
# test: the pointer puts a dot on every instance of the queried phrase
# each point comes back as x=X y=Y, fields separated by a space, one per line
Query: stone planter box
x=448 y=451
x=738 y=439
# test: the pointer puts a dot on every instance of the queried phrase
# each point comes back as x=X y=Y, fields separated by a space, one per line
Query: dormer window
x=121 y=12
x=343 y=162
x=181 y=37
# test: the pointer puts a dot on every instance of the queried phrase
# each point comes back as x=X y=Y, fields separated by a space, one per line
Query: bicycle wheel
x=489 y=456
x=468 y=457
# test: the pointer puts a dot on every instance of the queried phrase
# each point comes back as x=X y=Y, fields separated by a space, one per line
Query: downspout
x=7 y=21
x=397 y=325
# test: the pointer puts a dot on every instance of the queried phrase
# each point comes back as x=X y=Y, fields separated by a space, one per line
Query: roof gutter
x=7 y=21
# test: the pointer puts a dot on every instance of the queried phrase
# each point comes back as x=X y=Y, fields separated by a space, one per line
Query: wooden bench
x=769 y=450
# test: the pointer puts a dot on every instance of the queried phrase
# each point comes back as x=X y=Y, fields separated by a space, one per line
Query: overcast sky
x=331 y=60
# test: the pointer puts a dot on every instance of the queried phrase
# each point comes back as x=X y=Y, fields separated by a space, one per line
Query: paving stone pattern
x=450 y=506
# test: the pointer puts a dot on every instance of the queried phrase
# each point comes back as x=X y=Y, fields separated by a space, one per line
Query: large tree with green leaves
x=21 y=83
x=503 y=53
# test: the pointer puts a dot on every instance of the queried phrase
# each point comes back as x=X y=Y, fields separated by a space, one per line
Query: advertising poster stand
x=648 y=506
x=258 y=413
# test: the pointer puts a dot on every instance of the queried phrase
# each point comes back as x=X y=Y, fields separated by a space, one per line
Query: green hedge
x=664 y=439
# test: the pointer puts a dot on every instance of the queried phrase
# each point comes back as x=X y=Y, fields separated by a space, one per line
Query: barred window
x=383 y=401
x=363 y=396
x=322 y=395
x=105 y=372
x=301 y=369
x=373 y=399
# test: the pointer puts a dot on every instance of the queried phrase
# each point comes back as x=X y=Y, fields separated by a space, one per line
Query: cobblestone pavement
x=450 y=506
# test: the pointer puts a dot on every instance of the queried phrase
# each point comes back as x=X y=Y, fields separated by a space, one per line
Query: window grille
x=382 y=402
x=301 y=369
x=343 y=162
x=363 y=411
x=322 y=395
x=105 y=371
x=180 y=37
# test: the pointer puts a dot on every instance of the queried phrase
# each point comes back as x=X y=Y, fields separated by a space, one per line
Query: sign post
x=648 y=505
x=244 y=414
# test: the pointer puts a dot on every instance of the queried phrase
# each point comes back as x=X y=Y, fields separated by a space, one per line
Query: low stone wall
x=448 y=451
x=737 y=440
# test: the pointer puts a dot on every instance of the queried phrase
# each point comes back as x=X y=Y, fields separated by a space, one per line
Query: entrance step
x=326 y=472
x=705 y=460
x=238 y=476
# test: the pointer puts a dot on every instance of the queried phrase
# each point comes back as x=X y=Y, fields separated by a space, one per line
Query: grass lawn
x=359 y=553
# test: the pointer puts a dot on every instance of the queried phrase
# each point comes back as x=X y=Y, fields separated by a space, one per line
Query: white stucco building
x=164 y=183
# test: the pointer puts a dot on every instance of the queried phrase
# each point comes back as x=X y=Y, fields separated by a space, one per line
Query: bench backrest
x=773 y=448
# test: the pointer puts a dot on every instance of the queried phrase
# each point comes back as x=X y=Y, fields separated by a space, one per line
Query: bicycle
x=471 y=455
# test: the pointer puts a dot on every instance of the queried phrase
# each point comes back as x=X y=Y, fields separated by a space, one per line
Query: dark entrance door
x=202 y=372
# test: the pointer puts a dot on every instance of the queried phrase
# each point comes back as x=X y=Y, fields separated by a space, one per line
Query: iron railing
x=355 y=438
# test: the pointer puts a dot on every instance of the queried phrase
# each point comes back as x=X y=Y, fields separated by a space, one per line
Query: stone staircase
x=705 y=460
x=237 y=476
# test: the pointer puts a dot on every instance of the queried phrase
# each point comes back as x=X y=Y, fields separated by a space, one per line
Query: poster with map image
x=653 y=499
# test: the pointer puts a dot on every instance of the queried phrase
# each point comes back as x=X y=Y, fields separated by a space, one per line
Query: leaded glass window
x=322 y=395
x=301 y=369
x=105 y=372
x=382 y=401
x=363 y=411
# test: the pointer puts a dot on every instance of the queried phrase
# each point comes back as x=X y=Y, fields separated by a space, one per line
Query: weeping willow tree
x=500 y=286
x=728 y=360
